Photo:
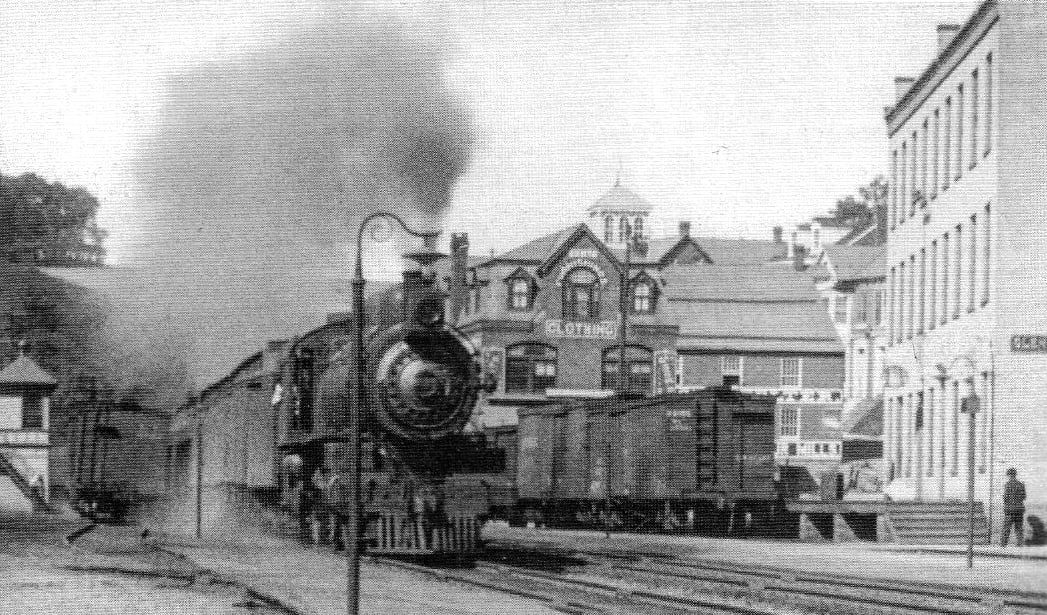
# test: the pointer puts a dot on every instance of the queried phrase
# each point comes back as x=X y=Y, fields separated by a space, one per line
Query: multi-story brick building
x=546 y=317
x=966 y=251
x=767 y=330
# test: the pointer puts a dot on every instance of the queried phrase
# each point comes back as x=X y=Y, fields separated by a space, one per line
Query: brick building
x=767 y=330
x=547 y=320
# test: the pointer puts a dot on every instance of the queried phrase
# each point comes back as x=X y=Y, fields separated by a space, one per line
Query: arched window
x=521 y=292
x=639 y=365
x=608 y=229
x=643 y=297
x=638 y=227
x=623 y=229
x=530 y=368
x=581 y=290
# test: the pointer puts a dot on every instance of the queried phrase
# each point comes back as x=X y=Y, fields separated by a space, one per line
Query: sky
x=736 y=116
x=232 y=161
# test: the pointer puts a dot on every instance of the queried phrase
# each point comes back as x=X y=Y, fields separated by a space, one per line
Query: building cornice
x=943 y=65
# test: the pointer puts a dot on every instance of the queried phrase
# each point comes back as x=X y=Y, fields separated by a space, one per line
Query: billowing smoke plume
x=262 y=165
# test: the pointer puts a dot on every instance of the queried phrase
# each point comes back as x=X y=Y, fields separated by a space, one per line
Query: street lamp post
x=357 y=400
x=970 y=407
x=632 y=241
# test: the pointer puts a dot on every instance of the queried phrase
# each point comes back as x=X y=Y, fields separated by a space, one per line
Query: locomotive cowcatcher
x=422 y=381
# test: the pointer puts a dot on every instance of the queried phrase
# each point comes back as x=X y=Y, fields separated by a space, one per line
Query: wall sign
x=1029 y=343
x=602 y=330
x=591 y=253
x=571 y=264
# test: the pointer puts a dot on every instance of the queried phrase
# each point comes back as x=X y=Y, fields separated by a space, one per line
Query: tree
x=48 y=223
x=869 y=207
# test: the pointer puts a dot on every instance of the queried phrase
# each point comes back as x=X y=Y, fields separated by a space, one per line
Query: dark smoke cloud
x=261 y=167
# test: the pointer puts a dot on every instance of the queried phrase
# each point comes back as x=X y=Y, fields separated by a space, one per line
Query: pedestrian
x=321 y=513
x=1013 y=508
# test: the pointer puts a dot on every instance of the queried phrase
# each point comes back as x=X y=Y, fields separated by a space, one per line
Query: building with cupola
x=700 y=311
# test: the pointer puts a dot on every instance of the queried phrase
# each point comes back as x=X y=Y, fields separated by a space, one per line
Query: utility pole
x=199 y=473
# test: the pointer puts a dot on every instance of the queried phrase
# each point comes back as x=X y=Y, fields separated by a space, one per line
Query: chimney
x=901 y=86
x=456 y=287
x=685 y=229
x=777 y=234
x=800 y=259
x=946 y=32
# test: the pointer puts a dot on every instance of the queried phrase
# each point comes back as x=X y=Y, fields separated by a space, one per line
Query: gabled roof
x=24 y=370
x=537 y=250
x=850 y=263
x=753 y=283
x=580 y=231
x=718 y=250
x=620 y=198
x=754 y=308
x=725 y=251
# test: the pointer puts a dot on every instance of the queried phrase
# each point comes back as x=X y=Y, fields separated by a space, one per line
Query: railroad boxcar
x=700 y=461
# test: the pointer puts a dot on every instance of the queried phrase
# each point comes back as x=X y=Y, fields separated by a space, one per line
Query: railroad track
x=800 y=591
x=586 y=595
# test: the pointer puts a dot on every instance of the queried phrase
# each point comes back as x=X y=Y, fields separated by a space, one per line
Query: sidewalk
x=313 y=581
x=1031 y=553
x=859 y=559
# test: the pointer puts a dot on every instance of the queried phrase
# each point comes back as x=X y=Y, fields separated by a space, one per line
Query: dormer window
x=608 y=229
x=642 y=298
x=623 y=229
x=581 y=294
x=521 y=291
x=638 y=227
x=644 y=294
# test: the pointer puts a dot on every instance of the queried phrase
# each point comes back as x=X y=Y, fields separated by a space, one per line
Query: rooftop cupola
x=616 y=213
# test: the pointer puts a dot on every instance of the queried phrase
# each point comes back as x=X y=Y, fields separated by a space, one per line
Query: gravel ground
x=40 y=575
x=858 y=559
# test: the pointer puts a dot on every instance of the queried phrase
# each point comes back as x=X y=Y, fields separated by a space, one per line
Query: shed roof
x=856 y=262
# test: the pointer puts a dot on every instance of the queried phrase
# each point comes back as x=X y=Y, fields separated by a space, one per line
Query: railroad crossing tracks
x=601 y=582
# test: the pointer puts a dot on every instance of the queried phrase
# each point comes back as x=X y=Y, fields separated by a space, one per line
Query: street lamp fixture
x=357 y=394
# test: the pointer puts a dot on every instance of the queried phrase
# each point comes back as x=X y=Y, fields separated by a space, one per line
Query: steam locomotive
x=423 y=378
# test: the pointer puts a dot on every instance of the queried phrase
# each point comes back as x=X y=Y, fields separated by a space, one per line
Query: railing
x=23 y=437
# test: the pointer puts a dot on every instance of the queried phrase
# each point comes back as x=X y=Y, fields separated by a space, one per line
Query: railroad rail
x=759 y=588
x=581 y=595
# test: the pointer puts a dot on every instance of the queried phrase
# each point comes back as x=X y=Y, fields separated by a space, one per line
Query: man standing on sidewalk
x=1013 y=508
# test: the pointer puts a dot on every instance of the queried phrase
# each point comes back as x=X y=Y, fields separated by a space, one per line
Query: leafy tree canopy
x=48 y=222
x=868 y=207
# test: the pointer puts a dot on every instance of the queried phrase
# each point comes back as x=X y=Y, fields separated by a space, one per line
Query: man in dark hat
x=1013 y=508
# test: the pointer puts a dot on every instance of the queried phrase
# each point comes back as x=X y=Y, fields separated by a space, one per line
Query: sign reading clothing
x=603 y=330
x=1029 y=343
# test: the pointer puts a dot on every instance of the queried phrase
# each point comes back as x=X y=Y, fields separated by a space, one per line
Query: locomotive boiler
x=422 y=380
